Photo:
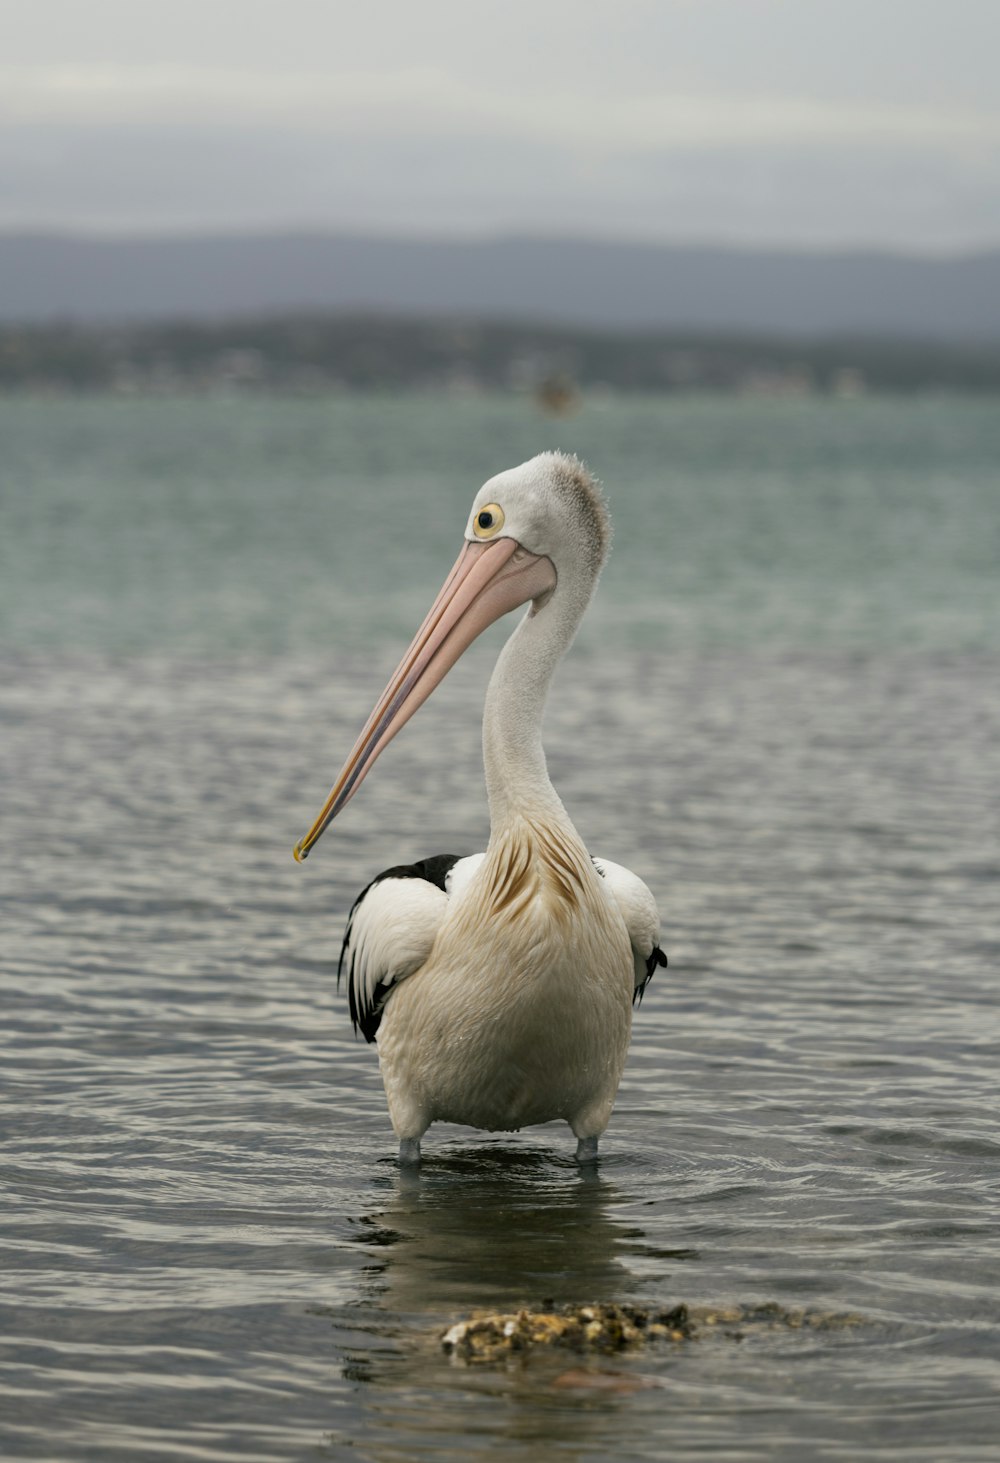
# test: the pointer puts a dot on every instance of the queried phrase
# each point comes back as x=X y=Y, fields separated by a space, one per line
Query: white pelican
x=500 y=987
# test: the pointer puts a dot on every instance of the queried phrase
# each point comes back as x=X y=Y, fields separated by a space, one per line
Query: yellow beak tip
x=300 y=854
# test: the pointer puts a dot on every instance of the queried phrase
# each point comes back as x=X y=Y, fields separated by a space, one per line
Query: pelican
x=499 y=987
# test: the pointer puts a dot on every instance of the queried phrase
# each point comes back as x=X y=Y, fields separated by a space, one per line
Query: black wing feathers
x=366 y=1012
x=656 y=958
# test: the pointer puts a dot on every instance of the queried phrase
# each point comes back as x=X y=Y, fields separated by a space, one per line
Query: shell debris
x=604 y=1328
x=610 y=1328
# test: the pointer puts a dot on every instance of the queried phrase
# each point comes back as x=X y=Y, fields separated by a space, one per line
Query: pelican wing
x=642 y=919
x=391 y=930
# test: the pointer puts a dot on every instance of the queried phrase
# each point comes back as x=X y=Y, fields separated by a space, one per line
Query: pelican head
x=537 y=534
x=550 y=506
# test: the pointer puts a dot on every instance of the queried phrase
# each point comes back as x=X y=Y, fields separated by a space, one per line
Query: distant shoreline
x=308 y=355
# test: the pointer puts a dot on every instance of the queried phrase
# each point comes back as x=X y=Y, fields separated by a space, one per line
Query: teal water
x=783 y=710
x=274 y=527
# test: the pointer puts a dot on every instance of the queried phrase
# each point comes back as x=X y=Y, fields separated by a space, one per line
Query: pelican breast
x=522 y=1012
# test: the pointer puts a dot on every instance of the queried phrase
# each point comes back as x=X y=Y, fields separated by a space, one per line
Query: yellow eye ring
x=488 y=521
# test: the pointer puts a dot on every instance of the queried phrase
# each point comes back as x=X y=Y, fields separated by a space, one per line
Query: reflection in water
x=492 y=1226
x=497 y=1225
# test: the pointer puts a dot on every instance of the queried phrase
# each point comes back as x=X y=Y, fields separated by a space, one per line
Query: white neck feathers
x=517 y=779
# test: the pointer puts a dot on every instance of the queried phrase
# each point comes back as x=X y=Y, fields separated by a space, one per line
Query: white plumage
x=500 y=986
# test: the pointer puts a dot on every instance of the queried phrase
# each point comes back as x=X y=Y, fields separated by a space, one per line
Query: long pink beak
x=487 y=581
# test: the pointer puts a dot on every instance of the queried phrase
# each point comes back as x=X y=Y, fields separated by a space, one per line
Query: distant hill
x=584 y=283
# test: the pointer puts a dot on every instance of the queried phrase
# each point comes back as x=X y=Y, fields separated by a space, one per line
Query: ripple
x=208 y=1251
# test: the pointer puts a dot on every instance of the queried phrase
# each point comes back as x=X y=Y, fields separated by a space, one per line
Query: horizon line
x=234 y=233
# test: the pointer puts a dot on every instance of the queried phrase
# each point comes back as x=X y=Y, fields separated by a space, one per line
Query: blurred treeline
x=306 y=355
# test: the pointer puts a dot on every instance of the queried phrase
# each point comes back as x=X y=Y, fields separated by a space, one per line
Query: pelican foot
x=586 y=1150
x=409 y=1151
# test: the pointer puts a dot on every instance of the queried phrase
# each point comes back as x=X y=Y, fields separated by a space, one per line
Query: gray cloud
x=729 y=119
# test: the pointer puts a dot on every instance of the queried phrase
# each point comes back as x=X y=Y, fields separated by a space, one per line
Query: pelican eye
x=488 y=521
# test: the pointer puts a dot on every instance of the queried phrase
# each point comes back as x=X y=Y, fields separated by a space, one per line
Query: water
x=783 y=710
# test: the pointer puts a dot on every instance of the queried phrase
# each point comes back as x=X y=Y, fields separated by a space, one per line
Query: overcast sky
x=818 y=122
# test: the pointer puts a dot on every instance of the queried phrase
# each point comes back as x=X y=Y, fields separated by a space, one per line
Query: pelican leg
x=586 y=1150
x=409 y=1151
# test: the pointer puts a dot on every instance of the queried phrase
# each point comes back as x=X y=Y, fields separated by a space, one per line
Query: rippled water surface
x=783 y=711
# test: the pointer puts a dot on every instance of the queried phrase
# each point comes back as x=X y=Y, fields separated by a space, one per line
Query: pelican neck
x=517 y=780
